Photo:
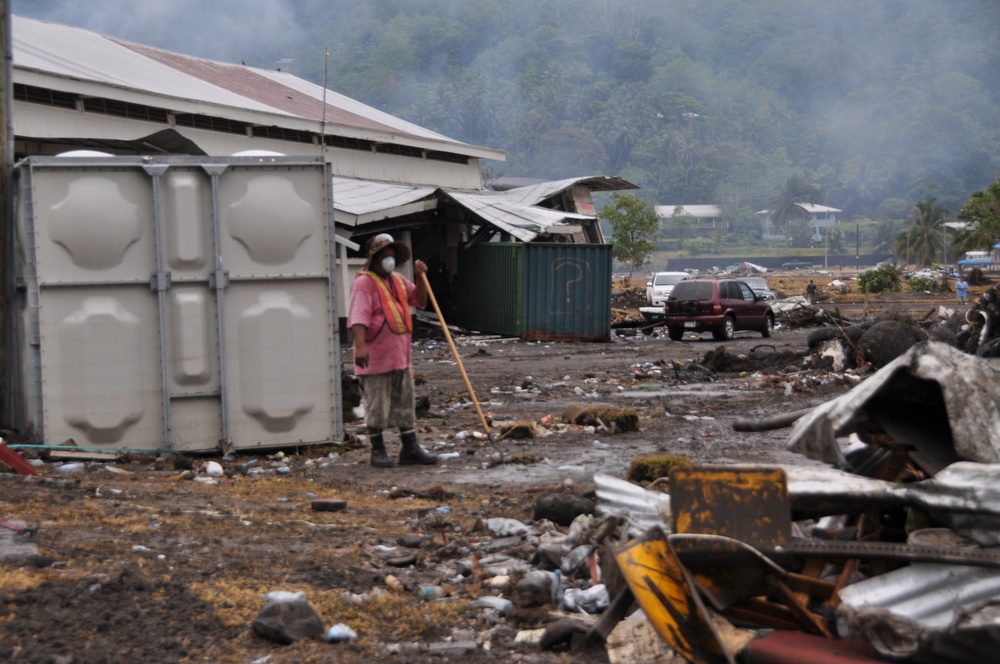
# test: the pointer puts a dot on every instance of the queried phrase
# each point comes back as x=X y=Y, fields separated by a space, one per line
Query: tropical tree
x=982 y=213
x=926 y=235
x=785 y=205
x=835 y=241
x=633 y=226
x=799 y=232
x=883 y=234
x=681 y=223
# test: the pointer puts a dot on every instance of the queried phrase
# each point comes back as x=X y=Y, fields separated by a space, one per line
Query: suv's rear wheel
x=675 y=333
x=726 y=331
x=768 y=326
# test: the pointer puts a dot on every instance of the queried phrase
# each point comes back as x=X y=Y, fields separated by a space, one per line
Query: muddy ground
x=137 y=561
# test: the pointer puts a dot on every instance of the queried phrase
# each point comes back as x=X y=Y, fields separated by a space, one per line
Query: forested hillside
x=880 y=103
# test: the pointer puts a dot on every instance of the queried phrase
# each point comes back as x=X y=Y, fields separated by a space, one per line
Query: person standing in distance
x=961 y=288
x=381 y=328
x=811 y=292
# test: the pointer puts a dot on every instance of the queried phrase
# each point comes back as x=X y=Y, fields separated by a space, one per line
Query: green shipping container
x=547 y=292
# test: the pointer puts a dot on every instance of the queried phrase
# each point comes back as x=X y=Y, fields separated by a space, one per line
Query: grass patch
x=518 y=429
x=618 y=420
x=645 y=469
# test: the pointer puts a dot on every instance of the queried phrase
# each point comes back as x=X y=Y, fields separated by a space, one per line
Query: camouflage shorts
x=389 y=400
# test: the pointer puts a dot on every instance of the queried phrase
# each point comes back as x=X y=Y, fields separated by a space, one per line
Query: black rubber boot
x=379 y=457
x=412 y=454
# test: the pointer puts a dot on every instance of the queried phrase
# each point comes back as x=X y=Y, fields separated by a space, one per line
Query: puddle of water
x=547 y=472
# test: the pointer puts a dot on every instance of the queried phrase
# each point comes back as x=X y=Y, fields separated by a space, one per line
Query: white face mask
x=388 y=263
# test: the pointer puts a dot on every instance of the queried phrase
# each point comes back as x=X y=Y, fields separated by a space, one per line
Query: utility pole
x=6 y=201
x=857 y=246
x=944 y=243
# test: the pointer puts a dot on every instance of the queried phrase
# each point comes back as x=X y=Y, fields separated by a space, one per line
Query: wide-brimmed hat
x=380 y=242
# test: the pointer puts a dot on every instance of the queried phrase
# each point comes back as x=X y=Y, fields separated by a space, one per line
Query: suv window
x=733 y=289
x=692 y=290
x=747 y=291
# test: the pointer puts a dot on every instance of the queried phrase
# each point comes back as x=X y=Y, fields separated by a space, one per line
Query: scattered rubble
x=917 y=487
x=542 y=571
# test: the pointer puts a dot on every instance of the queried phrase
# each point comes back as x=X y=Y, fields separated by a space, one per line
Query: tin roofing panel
x=79 y=55
x=523 y=221
x=362 y=201
x=536 y=193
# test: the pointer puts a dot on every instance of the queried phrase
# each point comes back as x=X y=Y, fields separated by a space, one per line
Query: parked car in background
x=722 y=307
x=760 y=287
x=796 y=265
x=658 y=288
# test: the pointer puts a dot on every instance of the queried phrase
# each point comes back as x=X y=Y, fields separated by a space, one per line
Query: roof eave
x=263 y=118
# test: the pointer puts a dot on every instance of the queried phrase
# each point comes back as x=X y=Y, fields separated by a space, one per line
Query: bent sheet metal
x=933 y=397
x=667 y=594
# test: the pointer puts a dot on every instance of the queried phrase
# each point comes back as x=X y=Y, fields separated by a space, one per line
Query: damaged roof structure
x=76 y=89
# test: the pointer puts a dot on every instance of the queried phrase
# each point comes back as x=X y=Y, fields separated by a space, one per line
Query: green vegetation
x=748 y=104
x=633 y=225
x=645 y=469
x=923 y=285
x=882 y=279
x=926 y=236
x=726 y=102
x=982 y=213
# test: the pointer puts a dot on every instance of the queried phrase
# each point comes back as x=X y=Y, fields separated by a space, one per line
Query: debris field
x=795 y=492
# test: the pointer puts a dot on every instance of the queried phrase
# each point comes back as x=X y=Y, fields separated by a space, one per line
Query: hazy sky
x=228 y=30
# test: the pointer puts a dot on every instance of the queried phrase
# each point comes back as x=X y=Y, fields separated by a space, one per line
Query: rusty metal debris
x=890 y=551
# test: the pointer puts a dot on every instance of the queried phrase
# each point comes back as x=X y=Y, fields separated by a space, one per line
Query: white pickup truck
x=659 y=287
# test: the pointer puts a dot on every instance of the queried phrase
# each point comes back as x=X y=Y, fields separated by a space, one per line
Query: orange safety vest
x=397 y=311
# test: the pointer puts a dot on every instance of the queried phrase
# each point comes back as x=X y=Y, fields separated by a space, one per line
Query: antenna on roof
x=322 y=124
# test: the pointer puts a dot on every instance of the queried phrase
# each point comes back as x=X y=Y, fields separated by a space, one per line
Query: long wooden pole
x=454 y=352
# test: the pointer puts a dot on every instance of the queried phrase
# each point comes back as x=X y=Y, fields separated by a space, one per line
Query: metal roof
x=700 y=211
x=808 y=207
x=536 y=193
x=72 y=59
x=523 y=221
x=357 y=202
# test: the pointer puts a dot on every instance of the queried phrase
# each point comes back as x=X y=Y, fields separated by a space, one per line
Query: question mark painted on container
x=580 y=267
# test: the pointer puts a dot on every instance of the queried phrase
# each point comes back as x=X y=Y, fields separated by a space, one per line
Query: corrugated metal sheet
x=930 y=613
x=358 y=202
x=73 y=58
x=534 y=194
x=931 y=595
x=569 y=292
x=642 y=507
x=523 y=221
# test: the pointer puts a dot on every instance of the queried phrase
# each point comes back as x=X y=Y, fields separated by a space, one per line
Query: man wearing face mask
x=381 y=328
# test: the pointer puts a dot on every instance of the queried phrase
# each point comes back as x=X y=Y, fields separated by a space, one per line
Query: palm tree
x=924 y=237
x=883 y=236
x=785 y=207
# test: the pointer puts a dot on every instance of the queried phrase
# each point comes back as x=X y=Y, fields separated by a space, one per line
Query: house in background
x=821 y=218
x=707 y=217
